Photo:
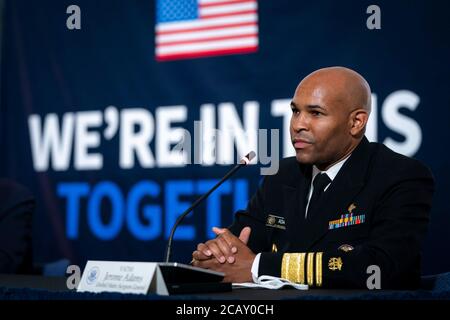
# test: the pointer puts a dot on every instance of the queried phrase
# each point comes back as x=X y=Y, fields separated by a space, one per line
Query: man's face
x=320 y=126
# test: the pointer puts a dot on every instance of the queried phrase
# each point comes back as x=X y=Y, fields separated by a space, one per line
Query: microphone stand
x=181 y=278
x=244 y=161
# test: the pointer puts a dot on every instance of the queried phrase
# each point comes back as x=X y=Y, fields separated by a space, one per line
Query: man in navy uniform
x=340 y=205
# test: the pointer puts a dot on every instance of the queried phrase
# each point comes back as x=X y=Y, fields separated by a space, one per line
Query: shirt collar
x=332 y=171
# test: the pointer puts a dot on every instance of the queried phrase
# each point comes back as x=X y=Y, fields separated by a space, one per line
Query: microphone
x=243 y=162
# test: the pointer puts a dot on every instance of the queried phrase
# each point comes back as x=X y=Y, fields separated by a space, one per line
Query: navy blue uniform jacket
x=375 y=212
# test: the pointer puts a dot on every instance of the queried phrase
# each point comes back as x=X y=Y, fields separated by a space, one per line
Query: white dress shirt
x=331 y=173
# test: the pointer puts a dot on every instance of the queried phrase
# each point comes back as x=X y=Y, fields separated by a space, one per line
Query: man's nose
x=299 y=122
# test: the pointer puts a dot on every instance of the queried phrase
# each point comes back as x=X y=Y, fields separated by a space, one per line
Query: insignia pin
x=351 y=208
x=346 y=248
x=335 y=264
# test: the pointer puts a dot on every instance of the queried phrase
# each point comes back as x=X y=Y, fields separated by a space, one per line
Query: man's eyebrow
x=309 y=107
x=315 y=106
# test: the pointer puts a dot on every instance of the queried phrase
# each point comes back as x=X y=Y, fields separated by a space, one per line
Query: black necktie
x=321 y=180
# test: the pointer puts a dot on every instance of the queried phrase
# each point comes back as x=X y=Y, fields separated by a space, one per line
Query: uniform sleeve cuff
x=255 y=267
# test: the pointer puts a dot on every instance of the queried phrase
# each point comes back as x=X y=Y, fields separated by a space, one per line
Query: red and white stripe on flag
x=222 y=27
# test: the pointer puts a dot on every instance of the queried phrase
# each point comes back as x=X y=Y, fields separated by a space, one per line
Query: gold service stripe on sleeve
x=319 y=269
x=293 y=267
x=309 y=268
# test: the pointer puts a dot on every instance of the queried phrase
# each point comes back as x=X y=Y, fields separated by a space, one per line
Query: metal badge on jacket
x=274 y=221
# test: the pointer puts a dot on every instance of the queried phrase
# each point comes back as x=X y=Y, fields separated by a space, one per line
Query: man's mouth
x=300 y=143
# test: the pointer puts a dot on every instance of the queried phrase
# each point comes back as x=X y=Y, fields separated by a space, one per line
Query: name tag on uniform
x=274 y=221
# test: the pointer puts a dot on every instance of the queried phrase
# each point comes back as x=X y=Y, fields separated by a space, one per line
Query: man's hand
x=222 y=247
x=237 y=269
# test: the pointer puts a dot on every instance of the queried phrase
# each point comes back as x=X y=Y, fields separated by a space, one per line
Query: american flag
x=199 y=28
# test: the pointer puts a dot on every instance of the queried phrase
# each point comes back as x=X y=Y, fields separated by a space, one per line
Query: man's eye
x=316 y=113
x=295 y=111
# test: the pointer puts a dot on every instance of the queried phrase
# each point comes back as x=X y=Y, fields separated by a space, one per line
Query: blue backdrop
x=89 y=116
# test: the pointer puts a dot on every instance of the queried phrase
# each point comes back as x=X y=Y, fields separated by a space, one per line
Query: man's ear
x=359 y=118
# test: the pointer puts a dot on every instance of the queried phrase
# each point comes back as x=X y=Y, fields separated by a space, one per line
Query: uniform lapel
x=346 y=185
x=295 y=200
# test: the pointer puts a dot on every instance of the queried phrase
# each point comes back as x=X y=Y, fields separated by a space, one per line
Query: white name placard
x=123 y=277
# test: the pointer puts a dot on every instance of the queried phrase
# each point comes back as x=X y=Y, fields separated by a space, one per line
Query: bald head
x=330 y=110
x=341 y=84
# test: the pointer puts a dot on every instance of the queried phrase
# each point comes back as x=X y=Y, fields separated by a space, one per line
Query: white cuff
x=255 y=268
